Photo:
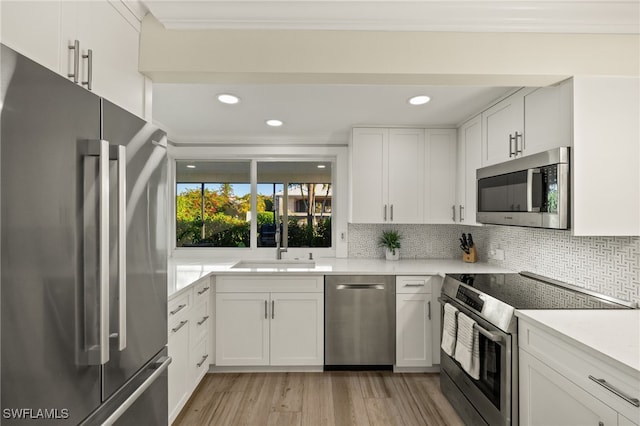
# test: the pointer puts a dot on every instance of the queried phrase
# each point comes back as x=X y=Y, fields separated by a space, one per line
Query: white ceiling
x=325 y=113
x=316 y=113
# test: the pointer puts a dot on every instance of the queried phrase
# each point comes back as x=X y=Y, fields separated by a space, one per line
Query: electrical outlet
x=496 y=254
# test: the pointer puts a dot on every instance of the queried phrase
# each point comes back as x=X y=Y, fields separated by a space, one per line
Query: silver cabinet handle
x=273 y=309
x=89 y=58
x=453 y=212
x=518 y=136
x=204 y=358
x=360 y=287
x=266 y=316
x=414 y=285
x=461 y=213
x=76 y=60
x=178 y=309
x=119 y=154
x=203 y=291
x=160 y=366
x=385 y=212
x=182 y=324
x=511 y=141
x=618 y=392
x=391 y=212
x=203 y=320
x=429 y=309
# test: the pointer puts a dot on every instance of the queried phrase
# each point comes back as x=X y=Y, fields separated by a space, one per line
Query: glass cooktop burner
x=523 y=292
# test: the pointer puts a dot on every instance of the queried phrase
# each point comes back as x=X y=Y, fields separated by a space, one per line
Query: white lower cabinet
x=282 y=325
x=563 y=384
x=549 y=398
x=297 y=329
x=178 y=343
x=190 y=326
x=414 y=326
x=242 y=329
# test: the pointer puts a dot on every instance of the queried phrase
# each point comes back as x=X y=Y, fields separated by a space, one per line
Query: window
x=213 y=201
x=301 y=191
x=293 y=204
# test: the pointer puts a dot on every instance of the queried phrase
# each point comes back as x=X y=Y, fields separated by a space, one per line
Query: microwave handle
x=530 y=175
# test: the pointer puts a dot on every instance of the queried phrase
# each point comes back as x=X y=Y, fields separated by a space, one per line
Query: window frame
x=337 y=155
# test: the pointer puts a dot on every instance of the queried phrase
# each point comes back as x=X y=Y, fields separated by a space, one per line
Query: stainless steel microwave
x=529 y=191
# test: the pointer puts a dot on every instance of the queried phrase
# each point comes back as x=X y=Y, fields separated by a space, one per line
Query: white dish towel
x=467 y=346
x=449 y=329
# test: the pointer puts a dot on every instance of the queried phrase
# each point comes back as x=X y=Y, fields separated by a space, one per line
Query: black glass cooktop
x=523 y=292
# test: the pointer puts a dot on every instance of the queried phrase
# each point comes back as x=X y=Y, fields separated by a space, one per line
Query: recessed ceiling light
x=419 y=100
x=191 y=166
x=321 y=166
x=274 y=123
x=227 y=98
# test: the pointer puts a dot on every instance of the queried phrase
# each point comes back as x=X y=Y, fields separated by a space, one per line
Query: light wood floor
x=319 y=399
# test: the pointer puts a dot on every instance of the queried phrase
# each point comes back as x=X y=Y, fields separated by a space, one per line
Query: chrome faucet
x=279 y=251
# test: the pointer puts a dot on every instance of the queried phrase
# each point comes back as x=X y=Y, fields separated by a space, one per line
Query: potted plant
x=390 y=240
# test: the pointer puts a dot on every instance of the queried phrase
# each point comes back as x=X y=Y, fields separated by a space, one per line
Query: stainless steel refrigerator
x=83 y=193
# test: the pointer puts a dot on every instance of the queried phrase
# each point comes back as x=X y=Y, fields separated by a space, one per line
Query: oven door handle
x=486 y=333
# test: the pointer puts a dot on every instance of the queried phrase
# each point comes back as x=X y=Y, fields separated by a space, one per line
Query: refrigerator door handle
x=159 y=367
x=98 y=354
x=119 y=154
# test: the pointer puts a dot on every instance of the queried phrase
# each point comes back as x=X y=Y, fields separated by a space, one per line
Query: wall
x=380 y=57
x=608 y=265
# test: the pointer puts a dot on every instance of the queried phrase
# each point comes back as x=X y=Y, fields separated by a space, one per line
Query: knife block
x=472 y=257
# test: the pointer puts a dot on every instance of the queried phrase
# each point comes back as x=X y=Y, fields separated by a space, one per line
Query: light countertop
x=611 y=334
x=188 y=272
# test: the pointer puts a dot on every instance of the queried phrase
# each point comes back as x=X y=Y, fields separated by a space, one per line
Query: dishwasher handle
x=363 y=286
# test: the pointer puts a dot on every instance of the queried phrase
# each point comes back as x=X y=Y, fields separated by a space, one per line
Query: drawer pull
x=204 y=358
x=178 y=309
x=609 y=387
x=182 y=323
x=203 y=291
x=202 y=321
x=414 y=285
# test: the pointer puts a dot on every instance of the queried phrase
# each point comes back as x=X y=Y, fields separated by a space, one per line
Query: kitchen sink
x=275 y=264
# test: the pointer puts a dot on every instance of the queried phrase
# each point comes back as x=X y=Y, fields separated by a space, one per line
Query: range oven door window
x=491 y=365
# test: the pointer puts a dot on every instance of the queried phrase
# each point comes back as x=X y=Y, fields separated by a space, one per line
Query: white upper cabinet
x=547 y=118
x=35 y=35
x=114 y=44
x=469 y=160
x=369 y=183
x=406 y=147
x=503 y=127
x=529 y=121
x=386 y=175
x=439 y=176
x=605 y=158
x=106 y=28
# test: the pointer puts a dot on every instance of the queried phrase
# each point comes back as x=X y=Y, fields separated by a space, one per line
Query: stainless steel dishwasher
x=360 y=321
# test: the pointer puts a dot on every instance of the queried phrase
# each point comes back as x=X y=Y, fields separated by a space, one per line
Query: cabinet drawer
x=414 y=284
x=201 y=320
x=179 y=306
x=578 y=366
x=273 y=284
x=199 y=360
x=202 y=290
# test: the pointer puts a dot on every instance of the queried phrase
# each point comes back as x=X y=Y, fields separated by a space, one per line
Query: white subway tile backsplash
x=608 y=265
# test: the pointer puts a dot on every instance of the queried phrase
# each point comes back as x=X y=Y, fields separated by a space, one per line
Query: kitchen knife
x=470 y=240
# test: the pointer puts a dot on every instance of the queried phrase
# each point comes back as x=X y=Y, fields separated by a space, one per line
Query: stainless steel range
x=491 y=300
